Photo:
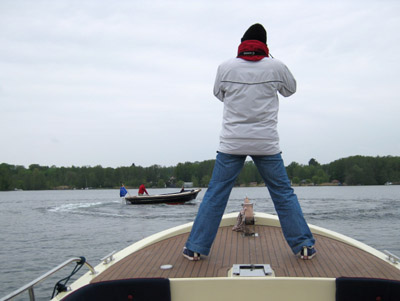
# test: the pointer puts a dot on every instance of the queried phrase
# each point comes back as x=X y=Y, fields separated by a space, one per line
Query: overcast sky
x=113 y=83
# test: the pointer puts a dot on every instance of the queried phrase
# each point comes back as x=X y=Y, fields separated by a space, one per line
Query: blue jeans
x=226 y=170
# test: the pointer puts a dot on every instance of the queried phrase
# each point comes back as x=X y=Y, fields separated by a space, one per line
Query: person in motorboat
x=122 y=191
x=248 y=86
x=142 y=190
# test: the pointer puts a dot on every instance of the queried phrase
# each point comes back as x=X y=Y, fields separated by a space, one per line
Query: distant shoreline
x=241 y=186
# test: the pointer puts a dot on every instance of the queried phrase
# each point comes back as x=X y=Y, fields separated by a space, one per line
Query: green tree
x=5 y=177
x=161 y=183
x=205 y=180
x=313 y=162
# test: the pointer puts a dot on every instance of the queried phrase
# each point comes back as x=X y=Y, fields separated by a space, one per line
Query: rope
x=62 y=287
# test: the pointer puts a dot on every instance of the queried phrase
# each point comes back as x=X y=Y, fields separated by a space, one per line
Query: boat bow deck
x=334 y=259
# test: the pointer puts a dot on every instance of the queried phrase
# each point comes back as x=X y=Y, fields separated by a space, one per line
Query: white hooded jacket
x=249 y=90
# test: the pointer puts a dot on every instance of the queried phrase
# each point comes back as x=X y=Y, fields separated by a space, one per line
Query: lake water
x=41 y=229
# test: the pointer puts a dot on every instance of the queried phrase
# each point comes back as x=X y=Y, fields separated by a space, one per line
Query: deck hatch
x=252 y=270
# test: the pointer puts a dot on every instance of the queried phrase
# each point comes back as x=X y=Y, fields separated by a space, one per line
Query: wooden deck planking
x=334 y=259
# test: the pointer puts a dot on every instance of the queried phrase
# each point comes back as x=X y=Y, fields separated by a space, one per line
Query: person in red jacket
x=142 y=190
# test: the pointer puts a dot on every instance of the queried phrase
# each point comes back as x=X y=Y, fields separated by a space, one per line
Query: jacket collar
x=252 y=50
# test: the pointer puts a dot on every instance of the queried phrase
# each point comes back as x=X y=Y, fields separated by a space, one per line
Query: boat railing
x=391 y=257
x=29 y=287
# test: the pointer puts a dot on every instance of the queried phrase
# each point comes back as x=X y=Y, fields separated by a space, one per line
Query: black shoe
x=308 y=253
x=190 y=254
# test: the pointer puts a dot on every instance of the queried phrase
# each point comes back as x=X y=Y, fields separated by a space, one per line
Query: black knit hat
x=255 y=32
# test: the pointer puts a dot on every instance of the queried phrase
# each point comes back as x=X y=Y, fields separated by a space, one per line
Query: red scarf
x=252 y=50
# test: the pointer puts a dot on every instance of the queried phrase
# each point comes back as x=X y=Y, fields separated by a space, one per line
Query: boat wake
x=73 y=207
x=92 y=209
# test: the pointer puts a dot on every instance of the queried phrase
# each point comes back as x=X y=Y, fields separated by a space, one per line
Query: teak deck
x=334 y=259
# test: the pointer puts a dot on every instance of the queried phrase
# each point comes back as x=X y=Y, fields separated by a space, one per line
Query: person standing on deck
x=142 y=190
x=248 y=86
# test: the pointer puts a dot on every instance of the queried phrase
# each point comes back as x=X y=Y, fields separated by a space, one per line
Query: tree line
x=355 y=170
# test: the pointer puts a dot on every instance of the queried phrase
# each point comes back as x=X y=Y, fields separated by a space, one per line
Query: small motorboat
x=166 y=198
